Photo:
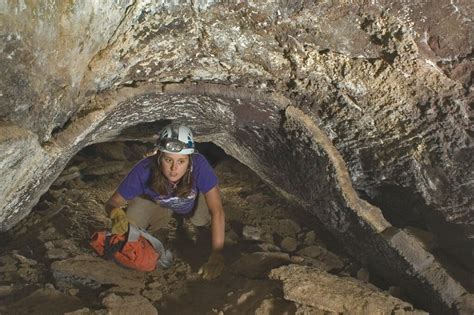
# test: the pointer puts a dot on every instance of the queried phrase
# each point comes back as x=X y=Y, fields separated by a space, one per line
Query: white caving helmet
x=176 y=138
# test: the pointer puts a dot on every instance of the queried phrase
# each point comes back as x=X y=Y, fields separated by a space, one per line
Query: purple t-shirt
x=136 y=183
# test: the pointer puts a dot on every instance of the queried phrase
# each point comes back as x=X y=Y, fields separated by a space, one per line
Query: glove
x=119 y=221
x=213 y=267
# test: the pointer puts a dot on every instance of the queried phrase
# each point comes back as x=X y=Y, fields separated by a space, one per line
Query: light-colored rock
x=269 y=247
x=45 y=301
x=94 y=272
x=56 y=253
x=153 y=295
x=24 y=260
x=124 y=305
x=326 y=292
x=251 y=233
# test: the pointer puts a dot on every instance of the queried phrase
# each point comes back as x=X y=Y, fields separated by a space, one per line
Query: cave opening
x=263 y=231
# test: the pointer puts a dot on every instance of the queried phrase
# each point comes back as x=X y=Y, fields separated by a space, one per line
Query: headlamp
x=173 y=145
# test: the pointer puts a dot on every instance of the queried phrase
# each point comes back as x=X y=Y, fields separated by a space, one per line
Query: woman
x=174 y=180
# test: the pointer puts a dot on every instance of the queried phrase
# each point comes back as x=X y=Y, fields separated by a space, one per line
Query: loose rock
x=126 y=305
x=329 y=293
x=289 y=244
x=251 y=233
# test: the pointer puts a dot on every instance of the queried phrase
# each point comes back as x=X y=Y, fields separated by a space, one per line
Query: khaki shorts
x=151 y=216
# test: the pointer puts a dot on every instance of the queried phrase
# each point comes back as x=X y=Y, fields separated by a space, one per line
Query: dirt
x=48 y=267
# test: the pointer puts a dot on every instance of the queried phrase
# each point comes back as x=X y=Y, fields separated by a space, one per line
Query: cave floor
x=47 y=266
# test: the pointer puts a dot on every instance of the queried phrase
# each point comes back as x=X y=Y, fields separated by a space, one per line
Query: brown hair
x=160 y=184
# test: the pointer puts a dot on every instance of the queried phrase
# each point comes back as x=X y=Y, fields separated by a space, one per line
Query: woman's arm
x=115 y=201
x=214 y=203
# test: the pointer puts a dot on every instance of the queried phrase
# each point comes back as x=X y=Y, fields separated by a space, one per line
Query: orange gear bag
x=137 y=250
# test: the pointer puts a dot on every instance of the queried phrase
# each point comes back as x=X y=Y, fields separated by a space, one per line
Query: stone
x=425 y=237
x=6 y=290
x=56 y=253
x=269 y=247
x=73 y=291
x=289 y=244
x=310 y=238
x=45 y=301
x=465 y=304
x=274 y=305
x=330 y=293
x=331 y=261
x=268 y=238
x=313 y=251
x=28 y=274
x=48 y=235
x=24 y=260
x=8 y=264
x=123 y=305
x=287 y=228
x=94 y=272
x=251 y=233
x=297 y=259
x=258 y=264
x=153 y=295
x=68 y=245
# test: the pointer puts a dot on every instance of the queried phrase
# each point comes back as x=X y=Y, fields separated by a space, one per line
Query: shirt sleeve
x=206 y=179
x=133 y=184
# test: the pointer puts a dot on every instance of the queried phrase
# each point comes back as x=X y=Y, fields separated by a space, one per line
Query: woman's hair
x=161 y=184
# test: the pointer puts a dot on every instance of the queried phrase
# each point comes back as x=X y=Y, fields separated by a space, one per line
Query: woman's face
x=174 y=165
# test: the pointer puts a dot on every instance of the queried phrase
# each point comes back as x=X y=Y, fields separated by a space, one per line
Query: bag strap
x=110 y=250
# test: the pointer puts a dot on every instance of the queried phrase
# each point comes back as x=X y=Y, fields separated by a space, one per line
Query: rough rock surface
x=312 y=287
x=343 y=99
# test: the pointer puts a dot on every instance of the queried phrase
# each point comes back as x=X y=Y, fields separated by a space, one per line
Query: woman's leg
x=201 y=215
x=147 y=214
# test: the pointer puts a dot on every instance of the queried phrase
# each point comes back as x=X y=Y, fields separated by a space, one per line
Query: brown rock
x=134 y=304
x=287 y=227
x=94 y=271
x=289 y=244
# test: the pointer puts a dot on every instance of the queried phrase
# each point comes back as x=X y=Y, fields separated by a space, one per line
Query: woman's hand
x=213 y=267
x=119 y=221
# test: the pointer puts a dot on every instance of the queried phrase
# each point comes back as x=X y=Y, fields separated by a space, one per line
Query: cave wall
x=388 y=83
